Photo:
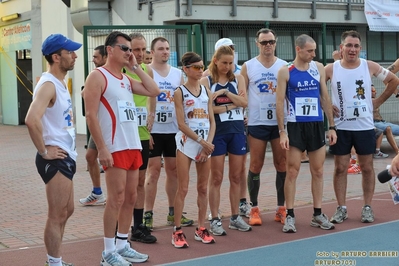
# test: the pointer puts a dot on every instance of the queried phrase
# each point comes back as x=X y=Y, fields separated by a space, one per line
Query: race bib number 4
x=126 y=111
x=306 y=106
x=356 y=109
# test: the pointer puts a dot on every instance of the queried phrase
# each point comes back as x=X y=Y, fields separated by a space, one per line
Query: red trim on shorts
x=127 y=159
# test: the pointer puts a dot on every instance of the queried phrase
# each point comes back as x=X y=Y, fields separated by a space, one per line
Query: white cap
x=223 y=42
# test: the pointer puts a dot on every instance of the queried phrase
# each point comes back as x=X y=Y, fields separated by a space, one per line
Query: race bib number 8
x=306 y=106
x=267 y=113
x=126 y=111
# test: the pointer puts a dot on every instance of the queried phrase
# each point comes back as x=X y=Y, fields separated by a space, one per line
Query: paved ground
x=23 y=205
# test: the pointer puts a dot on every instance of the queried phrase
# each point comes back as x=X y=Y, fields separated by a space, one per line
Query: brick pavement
x=23 y=205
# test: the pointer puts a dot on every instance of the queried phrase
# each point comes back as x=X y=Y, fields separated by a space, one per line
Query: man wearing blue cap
x=51 y=127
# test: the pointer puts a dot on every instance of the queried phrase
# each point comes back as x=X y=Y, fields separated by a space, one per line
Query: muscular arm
x=394 y=68
x=391 y=83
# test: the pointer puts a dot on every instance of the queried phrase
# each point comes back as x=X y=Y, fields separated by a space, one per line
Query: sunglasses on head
x=196 y=67
x=124 y=47
x=271 y=42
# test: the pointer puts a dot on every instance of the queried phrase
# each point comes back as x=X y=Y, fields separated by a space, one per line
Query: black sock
x=171 y=211
x=316 y=211
x=234 y=217
x=280 y=180
x=137 y=217
x=253 y=187
x=243 y=200
x=290 y=212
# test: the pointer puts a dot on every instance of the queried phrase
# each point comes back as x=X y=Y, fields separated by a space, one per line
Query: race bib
x=141 y=113
x=164 y=113
x=231 y=115
x=356 y=109
x=200 y=128
x=306 y=106
x=126 y=111
x=268 y=112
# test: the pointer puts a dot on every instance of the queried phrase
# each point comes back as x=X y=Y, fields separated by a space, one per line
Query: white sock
x=121 y=243
x=377 y=150
x=54 y=261
x=109 y=245
x=343 y=207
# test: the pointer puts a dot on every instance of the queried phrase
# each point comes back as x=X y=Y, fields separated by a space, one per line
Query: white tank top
x=351 y=93
x=117 y=114
x=262 y=92
x=58 y=121
x=165 y=116
x=196 y=116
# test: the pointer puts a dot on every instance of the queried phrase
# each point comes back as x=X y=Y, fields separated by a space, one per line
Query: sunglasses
x=124 y=47
x=196 y=67
x=264 y=43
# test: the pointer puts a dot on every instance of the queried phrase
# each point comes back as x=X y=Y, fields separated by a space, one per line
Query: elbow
x=155 y=93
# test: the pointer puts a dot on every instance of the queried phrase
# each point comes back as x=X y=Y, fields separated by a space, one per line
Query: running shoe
x=93 y=200
x=281 y=212
x=170 y=220
x=380 y=155
x=352 y=161
x=142 y=234
x=203 y=235
x=339 y=216
x=354 y=169
x=63 y=264
x=254 y=216
x=113 y=259
x=289 y=225
x=220 y=216
x=131 y=255
x=216 y=228
x=148 y=220
x=239 y=224
x=245 y=209
x=367 y=215
x=179 y=239
x=322 y=222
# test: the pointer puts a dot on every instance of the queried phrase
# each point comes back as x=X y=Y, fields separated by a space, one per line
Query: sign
x=16 y=37
x=382 y=15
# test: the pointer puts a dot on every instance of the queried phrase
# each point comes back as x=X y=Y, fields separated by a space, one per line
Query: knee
x=216 y=180
x=91 y=156
x=182 y=192
x=388 y=130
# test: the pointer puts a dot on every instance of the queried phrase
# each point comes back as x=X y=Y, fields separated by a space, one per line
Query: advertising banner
x=382 y=15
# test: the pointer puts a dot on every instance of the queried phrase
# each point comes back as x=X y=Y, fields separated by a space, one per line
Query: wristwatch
x=333 y=128
x=135 y=67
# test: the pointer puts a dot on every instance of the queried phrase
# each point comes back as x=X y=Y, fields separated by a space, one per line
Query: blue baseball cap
x=55 y=42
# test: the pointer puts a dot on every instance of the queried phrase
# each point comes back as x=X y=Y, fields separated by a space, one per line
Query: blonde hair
x=213 y=69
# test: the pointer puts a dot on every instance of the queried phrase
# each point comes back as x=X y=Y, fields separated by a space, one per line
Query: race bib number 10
x=126 y=111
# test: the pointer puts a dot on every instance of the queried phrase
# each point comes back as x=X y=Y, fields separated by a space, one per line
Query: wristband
x=43 y=153
x=282 y=130
x=199 y=139
x=135 y=67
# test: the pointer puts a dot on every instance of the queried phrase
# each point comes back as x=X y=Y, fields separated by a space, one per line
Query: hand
x=335 y=111
x=207 y=147
x=150 y=122
x=152 y=143
x=332 y=137
x=284 y=141
x=54 y=153
x=202 y=157
x=132 y=61
x=245 y=121
x=337 y=55
x=395 y=166
x=218 y=93
x=105 y=158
